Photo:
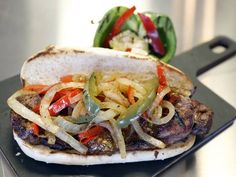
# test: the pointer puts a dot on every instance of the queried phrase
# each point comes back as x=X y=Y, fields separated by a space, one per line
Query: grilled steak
x=191 y=117
x=23 y=128
x=103 y=144
x=202 y=118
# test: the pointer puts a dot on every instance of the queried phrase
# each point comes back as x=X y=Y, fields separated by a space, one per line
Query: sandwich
x=101 y=106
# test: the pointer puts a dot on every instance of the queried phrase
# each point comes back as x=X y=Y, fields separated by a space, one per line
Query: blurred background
x=28 y=26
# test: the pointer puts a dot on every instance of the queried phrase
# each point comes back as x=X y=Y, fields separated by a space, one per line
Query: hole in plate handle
x=219 y=47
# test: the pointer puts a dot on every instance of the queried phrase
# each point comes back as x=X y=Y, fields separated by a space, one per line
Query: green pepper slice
x=90 y=92
x=140 y=106
x=167 y=34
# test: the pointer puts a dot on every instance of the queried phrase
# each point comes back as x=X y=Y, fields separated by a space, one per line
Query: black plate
x=193 y=62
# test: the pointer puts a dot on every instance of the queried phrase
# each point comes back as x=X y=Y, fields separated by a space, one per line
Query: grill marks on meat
x=102 y=144
x=30 y=101
x=191 y=117
x=202 y=118
x=179 y=127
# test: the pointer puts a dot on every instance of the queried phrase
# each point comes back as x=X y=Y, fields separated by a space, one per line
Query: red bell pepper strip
x=40 y=89
x=62 y=93
x=121 y=20
x=161 y=77
x=153 y=34
x=118 y=24
x=131 y=94
x=62 y=103
x=90 y=134
x=60 y=96
x=35 y=128
x=67 y=78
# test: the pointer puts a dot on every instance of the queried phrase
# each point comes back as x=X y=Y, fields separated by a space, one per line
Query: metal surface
x=28 y=26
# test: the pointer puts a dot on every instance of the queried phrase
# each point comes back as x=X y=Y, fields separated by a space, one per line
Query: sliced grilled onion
x=114 y=106
x=119 y=137
x=157 y=100
x=79 y=110
x=104 y=116
x=117 y=96
x=136 y=86
x=146 y=137
x=46 y=118
x=67 y=125
x=163 y=120
x=107 y=86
